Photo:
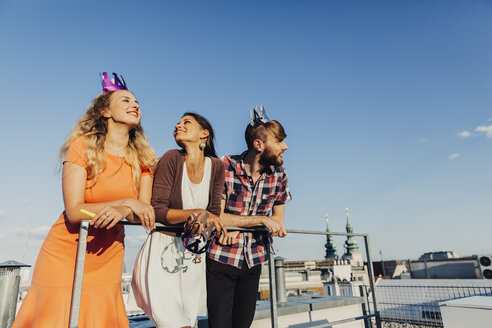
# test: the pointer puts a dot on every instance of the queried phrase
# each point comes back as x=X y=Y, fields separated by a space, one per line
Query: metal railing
x=367 y=318
x=419 y=304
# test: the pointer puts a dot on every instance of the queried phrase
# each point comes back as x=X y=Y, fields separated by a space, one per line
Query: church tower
x=331 y=249
x=351 y=246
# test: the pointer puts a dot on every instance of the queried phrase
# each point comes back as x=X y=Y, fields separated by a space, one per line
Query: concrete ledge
x=305 y=304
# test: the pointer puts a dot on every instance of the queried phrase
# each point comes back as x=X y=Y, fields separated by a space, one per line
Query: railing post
x=78 y=274
x=9 y=291
x=280 y=281
x=273 y=289
x=365 y=306
x=371 y=281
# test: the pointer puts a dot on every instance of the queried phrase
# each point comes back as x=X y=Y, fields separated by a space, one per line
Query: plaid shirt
x=243 y=197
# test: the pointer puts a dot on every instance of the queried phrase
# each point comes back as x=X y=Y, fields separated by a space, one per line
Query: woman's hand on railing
x=275 y=228
x=228 y=238
x=144 y=212
x=109 y=216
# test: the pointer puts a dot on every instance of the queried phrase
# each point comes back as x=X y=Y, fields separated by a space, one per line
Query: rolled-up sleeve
x=218 y=187
x=283 y=195
x=163 y=182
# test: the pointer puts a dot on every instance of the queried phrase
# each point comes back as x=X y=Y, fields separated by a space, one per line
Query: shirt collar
x=269 y=170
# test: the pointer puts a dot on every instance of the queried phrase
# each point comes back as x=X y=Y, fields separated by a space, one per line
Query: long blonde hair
x=94 y=127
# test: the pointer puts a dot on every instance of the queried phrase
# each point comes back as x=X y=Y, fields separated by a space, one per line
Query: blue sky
x=375 y=98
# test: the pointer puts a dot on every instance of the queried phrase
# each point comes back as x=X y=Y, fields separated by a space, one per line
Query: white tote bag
x=169 y=282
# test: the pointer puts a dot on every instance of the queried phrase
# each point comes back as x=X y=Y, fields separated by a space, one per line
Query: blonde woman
x=106 y=170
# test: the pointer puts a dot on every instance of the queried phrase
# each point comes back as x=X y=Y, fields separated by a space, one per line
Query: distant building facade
x=441 y=255
x=447 y=268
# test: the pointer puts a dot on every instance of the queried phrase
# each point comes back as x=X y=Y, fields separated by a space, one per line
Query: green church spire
x=351 y=246
x=331 y=249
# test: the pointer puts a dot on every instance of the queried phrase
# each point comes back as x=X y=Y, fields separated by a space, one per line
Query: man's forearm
x=277 y=218
x=242 y=221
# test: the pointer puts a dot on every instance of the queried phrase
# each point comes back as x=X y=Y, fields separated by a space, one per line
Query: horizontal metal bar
x=429 y=304
x=339 y=322
x=439 y=287
x=308 y=232
x=178 y=228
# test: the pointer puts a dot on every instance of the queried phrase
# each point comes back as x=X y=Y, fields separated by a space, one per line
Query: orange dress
x=47 y=303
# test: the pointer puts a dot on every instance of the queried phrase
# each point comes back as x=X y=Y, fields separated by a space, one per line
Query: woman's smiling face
x=188 y=129
x=123 y=108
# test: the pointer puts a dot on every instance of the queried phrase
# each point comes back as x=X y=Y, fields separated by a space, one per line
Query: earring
x=202 y=145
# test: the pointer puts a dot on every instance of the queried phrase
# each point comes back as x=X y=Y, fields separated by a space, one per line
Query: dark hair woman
x=169 y=284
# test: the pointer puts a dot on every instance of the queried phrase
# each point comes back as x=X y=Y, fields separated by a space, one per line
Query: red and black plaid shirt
x=243 y=197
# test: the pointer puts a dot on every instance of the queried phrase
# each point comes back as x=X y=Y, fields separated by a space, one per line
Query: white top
x=196 y=195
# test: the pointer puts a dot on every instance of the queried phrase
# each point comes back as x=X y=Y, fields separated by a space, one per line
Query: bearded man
x=255 y=194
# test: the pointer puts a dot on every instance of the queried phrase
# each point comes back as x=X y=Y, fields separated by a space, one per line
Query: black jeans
x=231 y=294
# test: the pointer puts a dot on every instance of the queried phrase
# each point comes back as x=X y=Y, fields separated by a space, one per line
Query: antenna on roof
x=27 y=233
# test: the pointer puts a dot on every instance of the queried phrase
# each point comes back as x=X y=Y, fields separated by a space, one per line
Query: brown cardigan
x=166 y=191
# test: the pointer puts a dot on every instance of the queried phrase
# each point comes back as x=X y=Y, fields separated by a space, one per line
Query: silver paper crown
x=258 y=116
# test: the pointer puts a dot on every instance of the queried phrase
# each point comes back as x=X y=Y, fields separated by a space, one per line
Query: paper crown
x=258 y=116
x=114 y=84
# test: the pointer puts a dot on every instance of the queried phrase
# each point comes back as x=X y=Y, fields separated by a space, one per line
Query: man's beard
x=268 y=158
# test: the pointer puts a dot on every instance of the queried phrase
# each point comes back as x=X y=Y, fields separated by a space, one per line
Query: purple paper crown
x=114 y=84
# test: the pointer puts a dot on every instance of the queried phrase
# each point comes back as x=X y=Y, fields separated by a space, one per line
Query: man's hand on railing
x=275 y=228
x=283 y=232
